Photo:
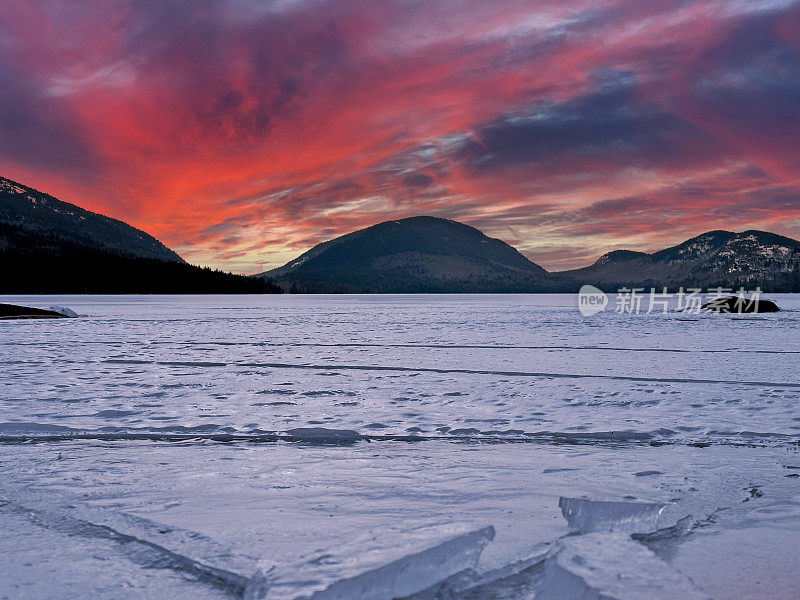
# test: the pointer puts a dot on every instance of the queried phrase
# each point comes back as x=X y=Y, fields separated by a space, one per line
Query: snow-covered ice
x=388 y=446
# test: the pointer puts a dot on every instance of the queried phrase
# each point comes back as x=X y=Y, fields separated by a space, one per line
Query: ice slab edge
x=610 y=566
x=408 y=575
x=148 y=553
x=587 y=516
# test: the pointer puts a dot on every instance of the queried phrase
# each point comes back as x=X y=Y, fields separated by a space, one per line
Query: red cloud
x=240 y=134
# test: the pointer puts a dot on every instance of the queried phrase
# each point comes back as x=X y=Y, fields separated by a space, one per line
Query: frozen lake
x=397 y=446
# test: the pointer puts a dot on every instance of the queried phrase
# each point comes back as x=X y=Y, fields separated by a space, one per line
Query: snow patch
x=63 y=310
x=10 y=187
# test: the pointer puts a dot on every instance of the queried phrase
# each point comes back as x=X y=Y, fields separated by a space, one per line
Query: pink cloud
x=241 y=134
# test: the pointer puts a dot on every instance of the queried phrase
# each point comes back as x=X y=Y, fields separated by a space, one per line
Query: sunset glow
x=241 y=133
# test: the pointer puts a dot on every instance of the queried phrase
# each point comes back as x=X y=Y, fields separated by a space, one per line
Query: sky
x=243 y=132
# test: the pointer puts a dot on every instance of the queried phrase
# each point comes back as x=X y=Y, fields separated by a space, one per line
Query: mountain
x=57 y=223
x=414 y=255
x=50 y=246
x=428 y=254
x=714 y=259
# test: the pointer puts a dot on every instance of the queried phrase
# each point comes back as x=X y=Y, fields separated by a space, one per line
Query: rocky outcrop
x=739 y=305
x=13 y=311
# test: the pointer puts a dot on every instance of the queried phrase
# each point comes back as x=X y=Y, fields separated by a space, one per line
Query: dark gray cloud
x=752 y=78
x=418 y=180
x=609 y=123
x=37 y=130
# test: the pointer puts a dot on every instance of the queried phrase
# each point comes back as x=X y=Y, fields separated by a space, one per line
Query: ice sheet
x=272 y=434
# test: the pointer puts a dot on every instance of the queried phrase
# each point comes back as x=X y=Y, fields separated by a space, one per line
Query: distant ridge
x=433 y=255
x=50 y=246
x=413 y=255
x=713 y=259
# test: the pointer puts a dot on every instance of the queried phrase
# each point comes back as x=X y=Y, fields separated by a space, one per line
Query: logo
x=591 y=300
